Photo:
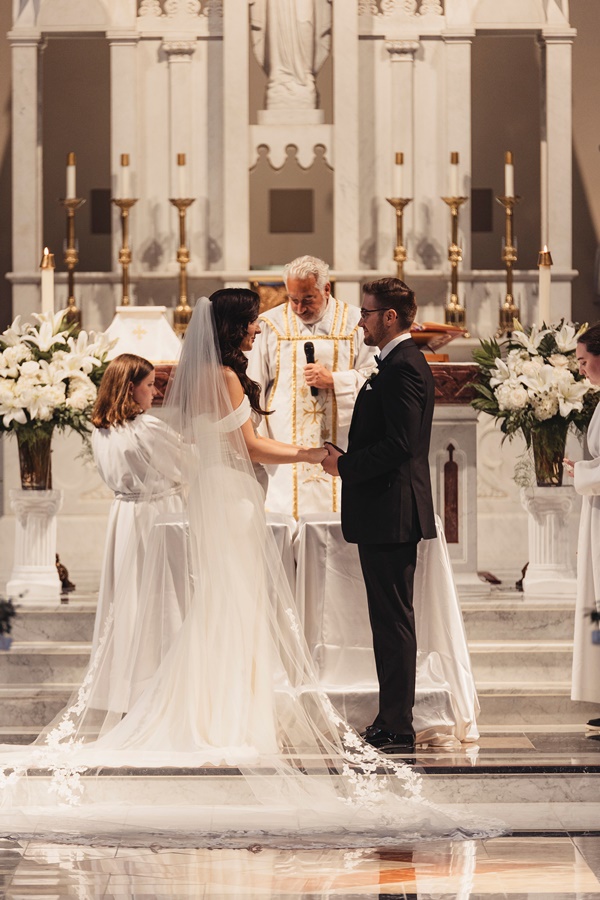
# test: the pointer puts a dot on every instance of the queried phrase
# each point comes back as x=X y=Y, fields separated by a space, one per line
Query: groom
x=387 y=506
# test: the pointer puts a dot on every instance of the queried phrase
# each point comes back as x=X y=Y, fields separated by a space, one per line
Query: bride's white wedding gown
x=235 y=688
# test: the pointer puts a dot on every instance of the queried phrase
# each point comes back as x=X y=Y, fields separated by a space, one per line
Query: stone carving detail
x=179 y=48
x=453 y=383
x=431 y=8
x=149 y=8
x=408 y=7
x=398 y=49
x=173 y=8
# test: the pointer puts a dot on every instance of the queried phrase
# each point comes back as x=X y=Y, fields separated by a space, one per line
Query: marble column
x=34 y=571
x=402 y=113
x=236 y=212
x=550 y=571
x=26 y=165
x=556 y=161
x=458 y=130
x=346 y=235
x=123 y=129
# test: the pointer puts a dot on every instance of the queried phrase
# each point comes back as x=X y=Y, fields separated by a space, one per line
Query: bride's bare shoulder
x=234 y=385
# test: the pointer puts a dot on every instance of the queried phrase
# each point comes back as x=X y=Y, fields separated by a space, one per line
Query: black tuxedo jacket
x=386 y=487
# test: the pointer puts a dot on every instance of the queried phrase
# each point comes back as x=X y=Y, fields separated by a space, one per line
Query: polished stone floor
x=565 y=867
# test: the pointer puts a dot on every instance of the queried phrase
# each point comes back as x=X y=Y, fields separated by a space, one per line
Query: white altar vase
x=277 y=362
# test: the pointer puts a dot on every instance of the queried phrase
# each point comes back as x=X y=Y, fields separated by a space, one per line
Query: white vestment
x=277 y=362
x=586 y=656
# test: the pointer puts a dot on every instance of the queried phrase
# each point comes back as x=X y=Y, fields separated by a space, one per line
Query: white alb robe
x=586 y=656
x=277 y=362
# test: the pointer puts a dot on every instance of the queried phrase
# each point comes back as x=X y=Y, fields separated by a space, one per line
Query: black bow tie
x=379 y=362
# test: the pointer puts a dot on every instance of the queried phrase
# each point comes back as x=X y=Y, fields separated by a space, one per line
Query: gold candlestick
x=400 y=250
x=508 y=310
x=125 y=205
x=71 y=257
x=183 y=312
x=454 y=312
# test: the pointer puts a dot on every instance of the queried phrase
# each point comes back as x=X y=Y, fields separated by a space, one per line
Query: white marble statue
x=291 y=41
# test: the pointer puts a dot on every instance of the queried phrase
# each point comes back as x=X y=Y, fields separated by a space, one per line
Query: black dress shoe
x=388 y=742
x=370 y=729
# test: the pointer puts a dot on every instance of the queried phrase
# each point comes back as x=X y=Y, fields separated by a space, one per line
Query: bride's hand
x=315 y=455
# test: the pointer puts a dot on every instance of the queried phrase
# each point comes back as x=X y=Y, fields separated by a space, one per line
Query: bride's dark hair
x=233 y=310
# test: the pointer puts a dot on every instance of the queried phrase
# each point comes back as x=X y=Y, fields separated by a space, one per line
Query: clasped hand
x=569 y=466
x=328 y=457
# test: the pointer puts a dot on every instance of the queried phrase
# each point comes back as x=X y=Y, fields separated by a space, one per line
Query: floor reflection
x=560 y=867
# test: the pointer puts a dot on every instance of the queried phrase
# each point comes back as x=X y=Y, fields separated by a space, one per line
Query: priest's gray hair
x=304 y=266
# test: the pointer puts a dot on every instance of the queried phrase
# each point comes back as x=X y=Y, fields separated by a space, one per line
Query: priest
x=310 y=361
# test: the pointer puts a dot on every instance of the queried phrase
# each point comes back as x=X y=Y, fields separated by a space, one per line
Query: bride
x=234 y=696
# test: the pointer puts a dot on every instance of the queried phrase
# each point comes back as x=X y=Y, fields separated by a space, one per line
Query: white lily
x=566 y=339
x=543 y=379
x=532 y=341
x=500 y=373
x=570 y=397
x=13 y=334
x=45 y=337
x=54 y=319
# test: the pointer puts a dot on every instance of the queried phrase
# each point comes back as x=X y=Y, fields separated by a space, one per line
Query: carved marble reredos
x=305 y=139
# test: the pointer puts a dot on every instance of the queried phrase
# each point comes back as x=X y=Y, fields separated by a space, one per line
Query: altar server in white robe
x=279 y=364
x=134 y=450
x=586 y=474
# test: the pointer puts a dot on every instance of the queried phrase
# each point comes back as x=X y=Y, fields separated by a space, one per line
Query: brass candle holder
x=454 y=312
x=125 y=257
x=400 y=250
x=183 y=312
x=71 y=258
x=508 y=310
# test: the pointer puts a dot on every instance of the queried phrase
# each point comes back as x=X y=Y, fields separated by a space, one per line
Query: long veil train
x=221 y=680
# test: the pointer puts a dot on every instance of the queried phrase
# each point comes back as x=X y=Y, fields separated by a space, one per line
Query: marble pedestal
x=34 y=571
x=550 y=571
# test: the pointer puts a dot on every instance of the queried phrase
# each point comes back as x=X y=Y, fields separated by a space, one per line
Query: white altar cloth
x=332 y=604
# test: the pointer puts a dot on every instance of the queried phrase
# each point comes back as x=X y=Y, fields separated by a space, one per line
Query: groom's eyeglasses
x=365 y=313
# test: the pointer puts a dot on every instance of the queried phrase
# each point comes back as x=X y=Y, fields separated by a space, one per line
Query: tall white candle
x=545 y=281
x=509 y=175
x=399 y=176
x=454 y=174
x=181 y=176
x=124 y=178
x=71 y=176
x=47 y=281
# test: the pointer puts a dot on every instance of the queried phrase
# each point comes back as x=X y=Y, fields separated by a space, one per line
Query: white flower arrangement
x=49 y=375
x=531 y=381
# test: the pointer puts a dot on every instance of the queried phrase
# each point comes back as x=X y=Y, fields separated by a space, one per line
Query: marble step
x=493 y=620
x=44 y=661
x=32 y=705
x=527 y=704
x=543 y=800
x=512 y=660
x=61 y=623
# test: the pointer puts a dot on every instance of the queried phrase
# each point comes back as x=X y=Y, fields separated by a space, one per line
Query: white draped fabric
x=277 y=363
x=332 y=604
x=586 y=656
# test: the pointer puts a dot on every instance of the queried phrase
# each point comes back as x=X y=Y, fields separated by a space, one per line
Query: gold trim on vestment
x=292 y=335
x=294 y=432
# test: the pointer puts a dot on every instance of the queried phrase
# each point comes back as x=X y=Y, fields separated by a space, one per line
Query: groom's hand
x=330 y=463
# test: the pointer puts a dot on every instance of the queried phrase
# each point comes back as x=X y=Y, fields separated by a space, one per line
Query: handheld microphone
x=309 y=352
